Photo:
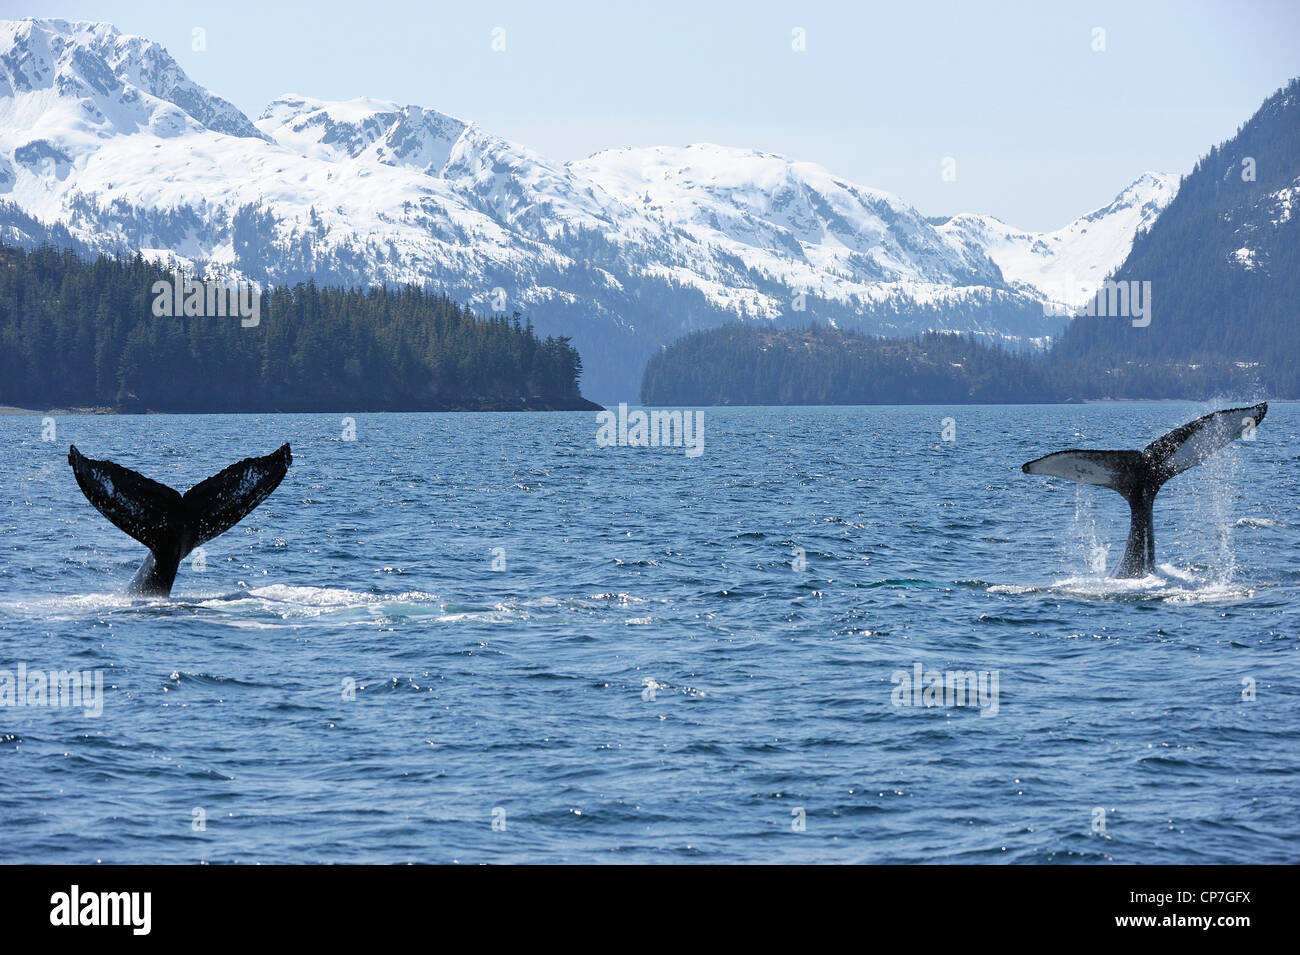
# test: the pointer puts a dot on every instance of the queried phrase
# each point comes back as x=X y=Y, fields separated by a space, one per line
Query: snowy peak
x=1067 y=266
x=1140 y=203
x=492 y=175
x=284 y=109
x=92 y=79
x=409 y=136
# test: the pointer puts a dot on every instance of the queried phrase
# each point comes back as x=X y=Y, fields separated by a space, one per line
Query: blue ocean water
x=483 y=638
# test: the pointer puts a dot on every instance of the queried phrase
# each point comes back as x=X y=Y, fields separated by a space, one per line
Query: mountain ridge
x=103 y=137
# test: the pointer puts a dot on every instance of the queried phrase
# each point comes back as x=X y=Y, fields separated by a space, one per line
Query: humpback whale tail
x=1139 y=475
x=171 y=524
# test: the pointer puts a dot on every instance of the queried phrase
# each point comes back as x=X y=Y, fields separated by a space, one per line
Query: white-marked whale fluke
x=1139 y=475
x=172 y=524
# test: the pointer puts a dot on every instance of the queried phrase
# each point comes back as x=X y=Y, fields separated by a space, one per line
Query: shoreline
x=586 y=405
x=579 y=405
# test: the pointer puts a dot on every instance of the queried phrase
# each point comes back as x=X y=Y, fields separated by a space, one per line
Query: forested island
x=761 y=365
x=88 y=334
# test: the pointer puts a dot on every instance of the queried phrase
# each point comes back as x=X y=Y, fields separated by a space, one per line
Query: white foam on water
x=297 y=602
x=78 y=606
x=314 y=596
x=1257 y=522
x=1168 y=583
x=258 y=608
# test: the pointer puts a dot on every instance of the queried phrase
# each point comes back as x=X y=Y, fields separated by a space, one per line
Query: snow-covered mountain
x=1065 y=267
x=792 y=220
x=106 y=145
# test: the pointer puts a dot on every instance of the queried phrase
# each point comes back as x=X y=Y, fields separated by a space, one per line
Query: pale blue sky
x=1042 y=127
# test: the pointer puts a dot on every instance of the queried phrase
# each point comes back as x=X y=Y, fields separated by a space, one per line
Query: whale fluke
x=172 y=524
x=1139 y=475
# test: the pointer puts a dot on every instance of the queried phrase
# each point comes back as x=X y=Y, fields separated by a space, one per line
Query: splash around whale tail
x=171 y=524
x=1139 y=475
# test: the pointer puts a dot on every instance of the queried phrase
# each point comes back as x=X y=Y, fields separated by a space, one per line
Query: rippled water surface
x=681 y=659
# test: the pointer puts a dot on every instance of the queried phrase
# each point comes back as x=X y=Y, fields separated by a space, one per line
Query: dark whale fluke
x=1139 y=475
x=171 y=524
